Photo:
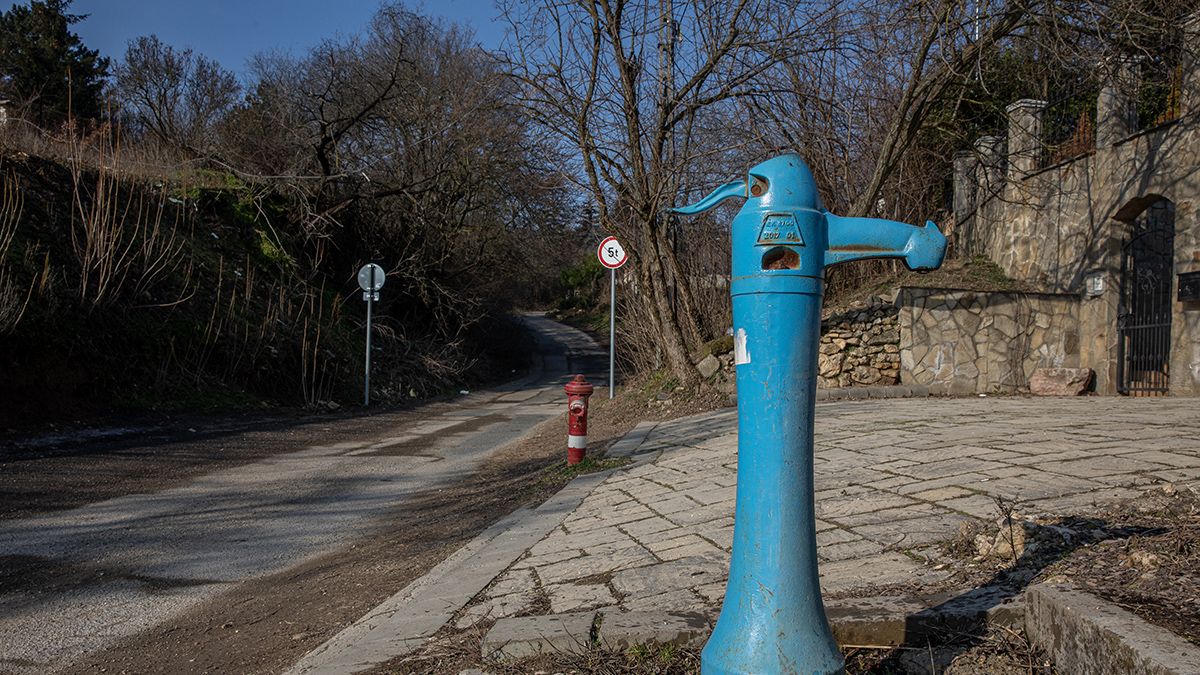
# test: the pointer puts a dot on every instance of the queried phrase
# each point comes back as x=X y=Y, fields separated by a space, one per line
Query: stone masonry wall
x=967 y=342
x=1060 y=225
x=861 y=346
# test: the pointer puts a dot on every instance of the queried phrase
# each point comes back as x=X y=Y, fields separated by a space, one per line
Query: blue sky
x=231 y=31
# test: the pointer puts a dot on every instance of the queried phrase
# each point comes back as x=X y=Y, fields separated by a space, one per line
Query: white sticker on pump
x=741 y=352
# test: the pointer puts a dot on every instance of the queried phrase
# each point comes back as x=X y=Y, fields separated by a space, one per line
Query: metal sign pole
x=367 y=379
x=612 y=334
x=612 y=255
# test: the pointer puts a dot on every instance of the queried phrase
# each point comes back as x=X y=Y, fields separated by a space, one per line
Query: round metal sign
x=370 y=277
x=612 y=255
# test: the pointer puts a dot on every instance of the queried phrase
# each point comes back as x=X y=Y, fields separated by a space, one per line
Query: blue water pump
x=772 y=620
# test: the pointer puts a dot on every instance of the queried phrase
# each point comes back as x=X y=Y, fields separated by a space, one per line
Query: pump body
x=773 y=620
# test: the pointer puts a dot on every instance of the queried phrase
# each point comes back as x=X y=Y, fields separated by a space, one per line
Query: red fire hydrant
x=578 y=390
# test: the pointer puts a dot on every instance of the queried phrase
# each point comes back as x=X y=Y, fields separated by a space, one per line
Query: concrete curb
x=630 y=442
x=1084 y=634
x=406 y=620
x=860 y=393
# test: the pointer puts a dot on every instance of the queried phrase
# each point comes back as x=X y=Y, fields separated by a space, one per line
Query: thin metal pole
x=367 y=380
x=612 y=334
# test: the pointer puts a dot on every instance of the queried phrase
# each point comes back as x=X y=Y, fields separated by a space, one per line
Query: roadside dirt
x=1142 y=554
x=1153 y=570
x=265 y=625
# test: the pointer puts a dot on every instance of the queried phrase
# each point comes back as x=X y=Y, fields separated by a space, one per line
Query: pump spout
x=736 y=188
x=922 y=248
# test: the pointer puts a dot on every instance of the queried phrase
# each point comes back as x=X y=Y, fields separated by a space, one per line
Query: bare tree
x=643 y=94
x=405 y=143
x=177 y=95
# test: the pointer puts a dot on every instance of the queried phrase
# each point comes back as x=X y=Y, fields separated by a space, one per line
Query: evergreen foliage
x=46 y=67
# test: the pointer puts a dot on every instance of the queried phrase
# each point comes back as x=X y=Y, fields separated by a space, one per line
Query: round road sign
x=612 y=255
x=370 y=277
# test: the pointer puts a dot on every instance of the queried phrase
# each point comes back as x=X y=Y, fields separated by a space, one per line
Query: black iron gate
x=1144 y=311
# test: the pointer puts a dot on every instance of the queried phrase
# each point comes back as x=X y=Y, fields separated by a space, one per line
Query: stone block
x=574 y=597
x=708 y=366
x=674 y=575
x=622 y=630
x=1060 y=381
x=894 y=620
x=521 y=637
x=1084 y=634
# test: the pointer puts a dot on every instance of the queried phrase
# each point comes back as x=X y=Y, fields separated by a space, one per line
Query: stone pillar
x=989 y=173
x=1116 y=106
x=989 y=192
x=1024 y=137
x=965 y=164
x=1189 y=94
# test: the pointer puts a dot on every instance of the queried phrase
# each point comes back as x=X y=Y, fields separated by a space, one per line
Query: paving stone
x=841 y=490
x=669 y=576
x=959 y=480
x=640 y=528
x=678 y=600
x=622 y=630
x=942 y=494
x=573 y=597
x=917 y=510
x=878 y=570
x=697 y=548
x=835 y=536
x=1182 y=476
x=841 y=507
x=495 y=608
x=932 y=470
x=723 y=538
x=1081 y=503
x=848 y=549
x=980 y=506
x=1099 y=466
x=513 y=581
x=662 y=545
x=676 y=503
x=521 y=637
x=558 y=541
x=905 y=534
x=1171 y=459
x=889 y=483
x=590 y=565
x=701 y=514
x=547 y=559
x=713 y=592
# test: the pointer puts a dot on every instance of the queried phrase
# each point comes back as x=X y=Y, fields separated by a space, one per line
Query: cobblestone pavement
x=893 y=477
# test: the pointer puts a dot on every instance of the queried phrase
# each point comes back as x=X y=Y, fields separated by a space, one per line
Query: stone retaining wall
x=861 y=346
x=967 y=342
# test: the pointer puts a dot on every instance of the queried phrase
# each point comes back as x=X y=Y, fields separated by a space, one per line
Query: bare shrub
x=13 y=301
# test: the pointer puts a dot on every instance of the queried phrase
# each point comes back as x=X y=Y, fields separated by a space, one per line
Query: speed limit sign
x=612 y=255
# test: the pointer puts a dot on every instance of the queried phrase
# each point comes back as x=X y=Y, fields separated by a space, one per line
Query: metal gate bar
x=1144 y=309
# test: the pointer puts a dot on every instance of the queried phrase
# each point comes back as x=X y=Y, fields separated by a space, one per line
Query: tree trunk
x=674 y=344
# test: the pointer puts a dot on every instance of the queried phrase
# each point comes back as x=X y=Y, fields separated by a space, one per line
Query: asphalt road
x=106 y=570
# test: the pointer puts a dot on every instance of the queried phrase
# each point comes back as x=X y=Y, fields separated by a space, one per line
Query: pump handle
x=735 y=188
